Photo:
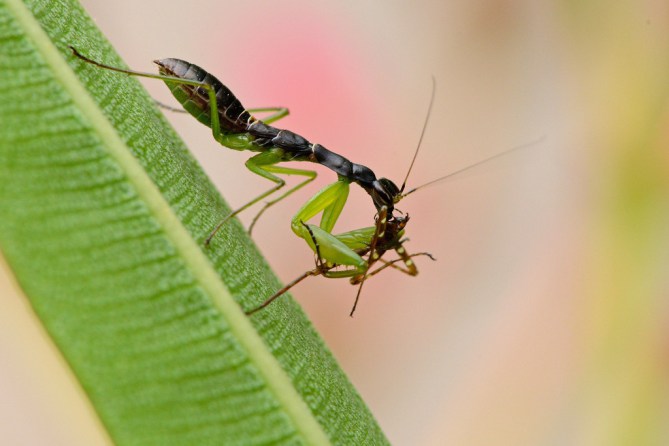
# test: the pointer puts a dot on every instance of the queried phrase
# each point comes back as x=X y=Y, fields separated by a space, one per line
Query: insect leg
x=392 y=264
x=406 y=258
x=408 y=270
x=169 y=107
x=321 y=269
x=282 y=291
x=310 y=174
x=263 y=164
x=278 y=113
x=215 y=123
x=330 y=201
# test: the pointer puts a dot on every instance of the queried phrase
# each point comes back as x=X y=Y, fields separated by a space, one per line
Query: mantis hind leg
x=169 y=107
x=282 y=291
x=277 y=112
x=310 y=174
x=215 y=123
x=230 y=140
x=263 y=164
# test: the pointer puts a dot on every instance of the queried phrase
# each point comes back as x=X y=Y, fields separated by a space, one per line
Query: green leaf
x=102 y=216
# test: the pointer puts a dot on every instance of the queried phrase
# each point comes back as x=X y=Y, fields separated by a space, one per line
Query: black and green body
x=233 y=126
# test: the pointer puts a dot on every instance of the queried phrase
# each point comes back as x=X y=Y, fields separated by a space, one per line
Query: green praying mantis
x=348 y=255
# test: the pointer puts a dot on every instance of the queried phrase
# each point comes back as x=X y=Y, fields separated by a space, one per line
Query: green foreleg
x=330 y=201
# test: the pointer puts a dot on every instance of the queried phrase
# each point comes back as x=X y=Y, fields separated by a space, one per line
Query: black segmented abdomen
x=232 y=115
x=235 y=119
x=267 y=136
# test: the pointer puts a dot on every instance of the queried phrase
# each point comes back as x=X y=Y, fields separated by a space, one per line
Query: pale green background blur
x=544 y=320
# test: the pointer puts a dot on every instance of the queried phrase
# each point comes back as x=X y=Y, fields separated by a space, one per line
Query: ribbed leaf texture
x=102 y=216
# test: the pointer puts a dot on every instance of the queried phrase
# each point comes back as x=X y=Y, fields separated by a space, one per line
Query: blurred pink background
x=544 y=319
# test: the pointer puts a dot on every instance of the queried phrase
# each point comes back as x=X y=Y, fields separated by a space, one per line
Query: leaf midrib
x=189 y=251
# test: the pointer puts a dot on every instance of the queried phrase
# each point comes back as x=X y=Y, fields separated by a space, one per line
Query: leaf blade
x=173 y=319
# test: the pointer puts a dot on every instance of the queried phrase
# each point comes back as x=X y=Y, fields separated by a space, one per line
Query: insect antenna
x=476 y=164
x=422 y=133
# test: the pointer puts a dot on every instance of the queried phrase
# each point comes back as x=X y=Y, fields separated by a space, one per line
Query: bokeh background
x=545 y=319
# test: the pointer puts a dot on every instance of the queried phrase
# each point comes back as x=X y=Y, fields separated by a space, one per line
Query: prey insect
x=373 y=242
